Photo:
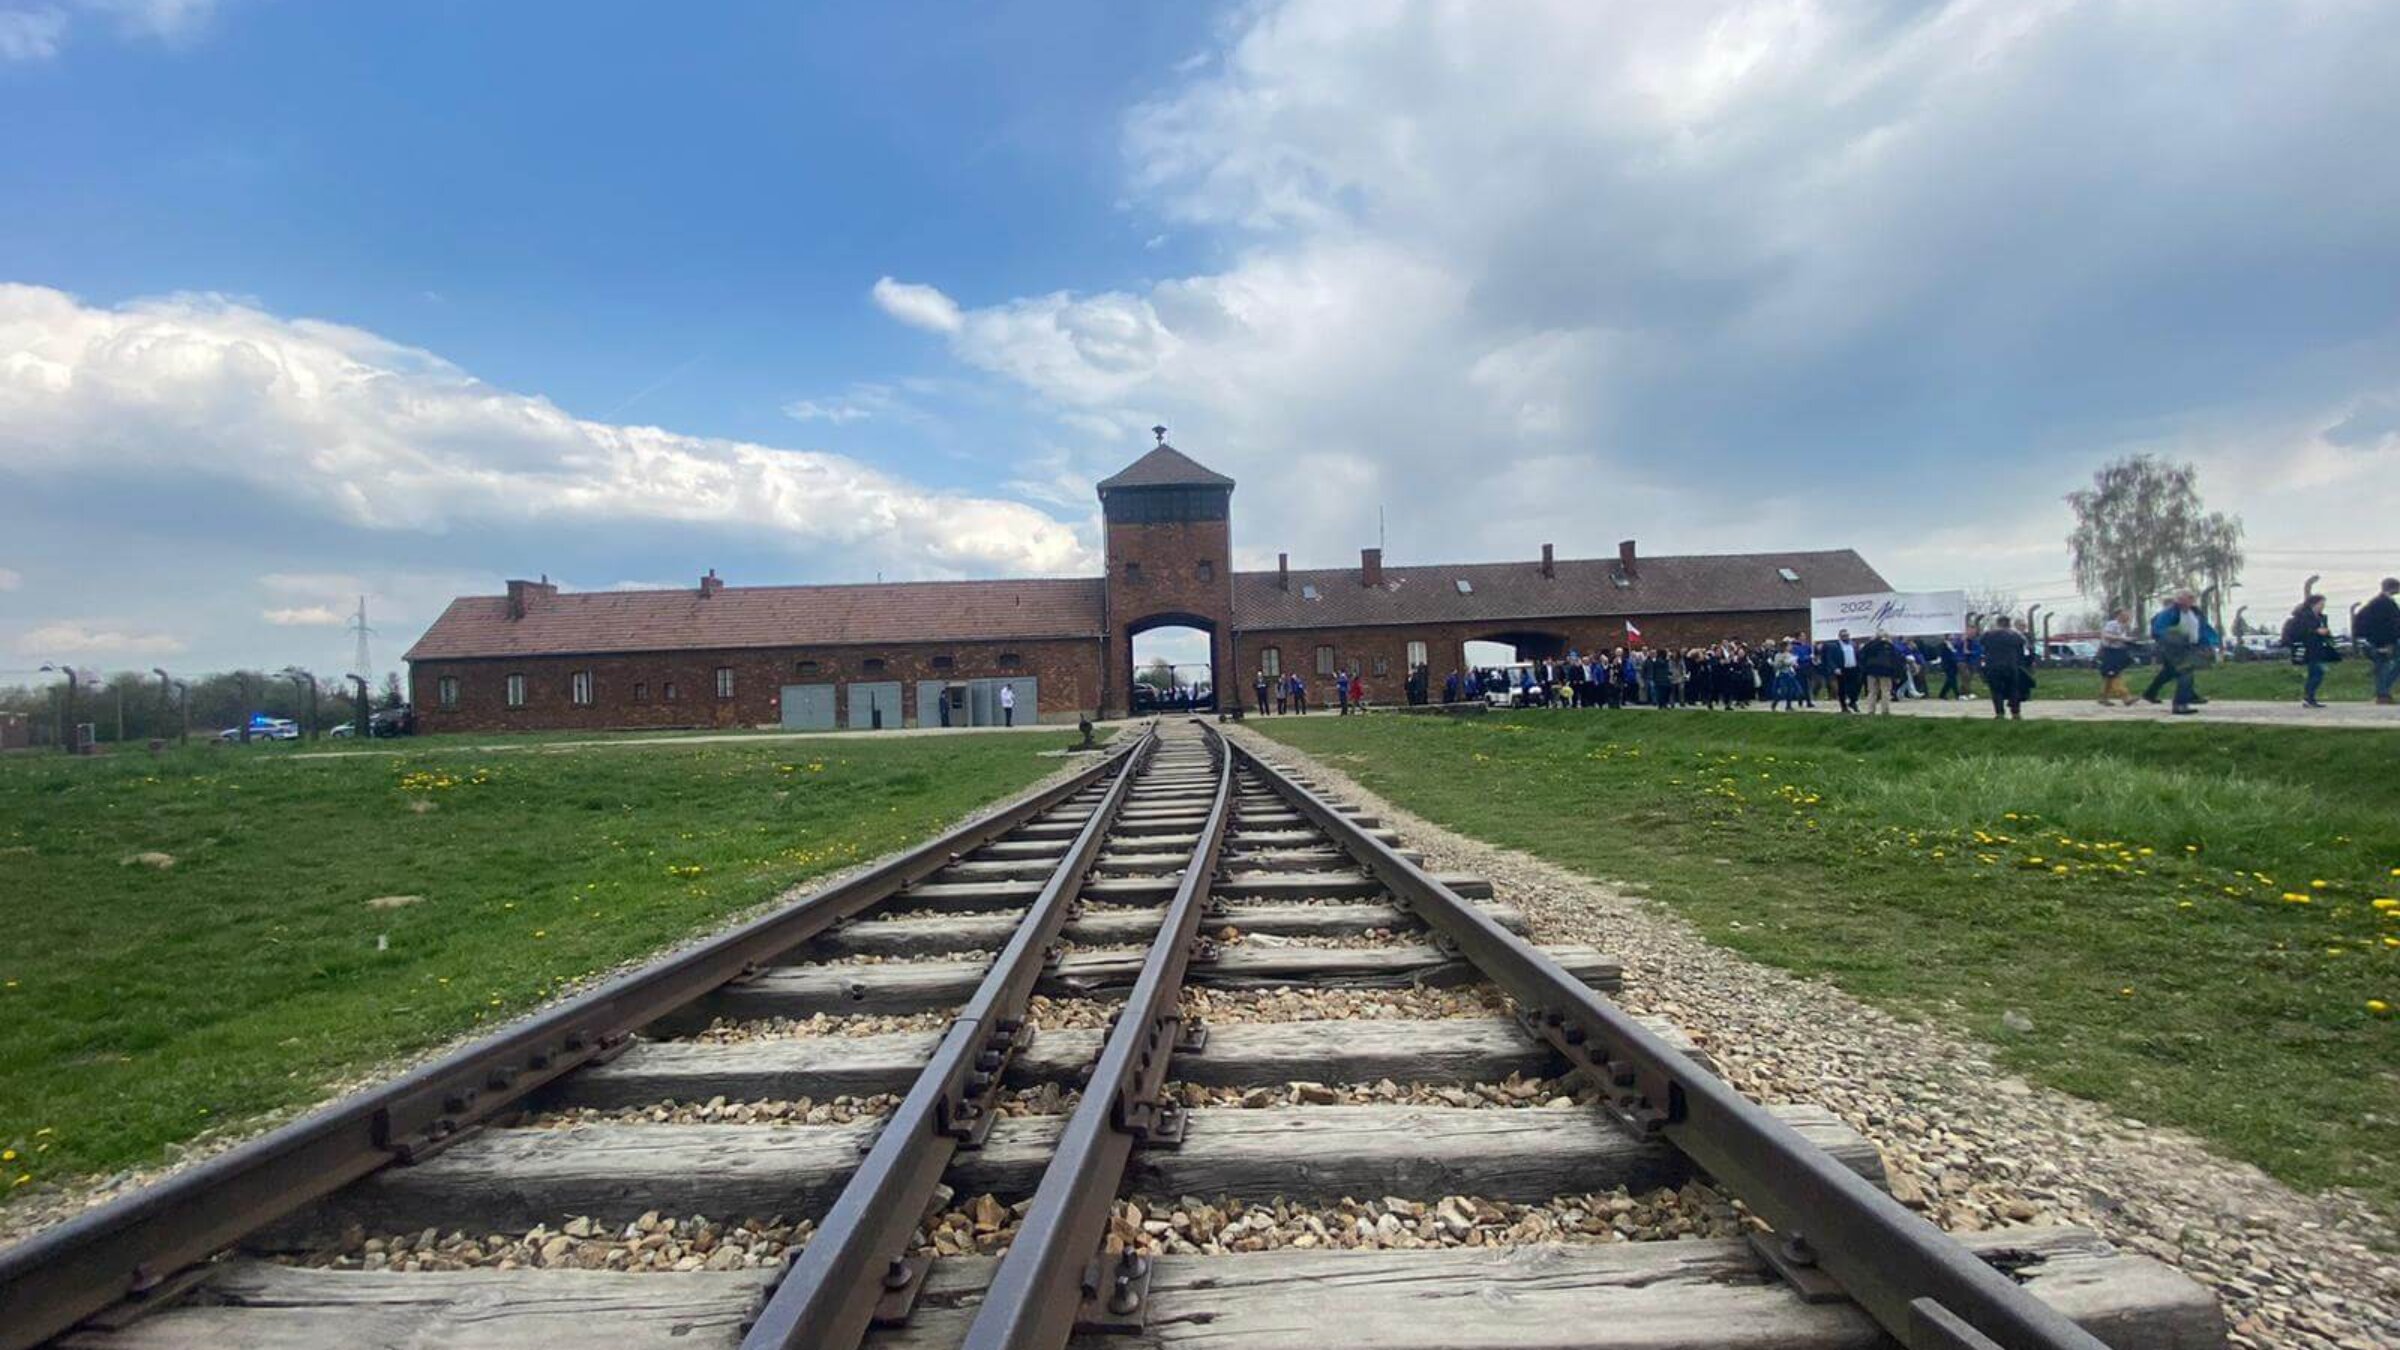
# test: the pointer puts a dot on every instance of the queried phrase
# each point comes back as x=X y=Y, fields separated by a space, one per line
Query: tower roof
x=1164 y=466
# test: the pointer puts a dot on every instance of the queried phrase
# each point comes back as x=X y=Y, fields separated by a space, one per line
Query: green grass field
x=2198 y=920
x=2350 y=681
x=145 y=1005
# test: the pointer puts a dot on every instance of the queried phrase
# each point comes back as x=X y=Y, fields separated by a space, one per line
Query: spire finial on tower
x=1161 y=433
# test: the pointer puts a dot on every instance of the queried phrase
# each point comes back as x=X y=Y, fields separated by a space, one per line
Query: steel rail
x=134 y=1245
x=1052 y=1273
x=1927 y=1291
x=856 y=1269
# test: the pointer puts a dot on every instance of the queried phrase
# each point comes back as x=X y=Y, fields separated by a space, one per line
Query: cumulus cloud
x=84 y=639
x=305 y=616
x=11 y=579
x=1743 y=272
x=345 y=426
x=917 y=306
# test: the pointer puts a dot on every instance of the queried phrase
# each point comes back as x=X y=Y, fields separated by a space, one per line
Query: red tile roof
x=1583 y=587
x=583 y=622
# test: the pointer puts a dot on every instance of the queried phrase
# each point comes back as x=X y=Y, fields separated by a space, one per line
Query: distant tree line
x=145 y=709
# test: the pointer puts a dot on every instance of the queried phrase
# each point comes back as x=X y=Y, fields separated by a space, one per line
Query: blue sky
x=308 y=300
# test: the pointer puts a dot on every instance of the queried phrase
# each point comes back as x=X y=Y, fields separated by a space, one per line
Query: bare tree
x=2140 y=531
x=1991 y=601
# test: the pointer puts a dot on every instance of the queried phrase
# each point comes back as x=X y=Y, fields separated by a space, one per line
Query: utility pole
x=364 y=722
x=359 y=660
x=66 y=707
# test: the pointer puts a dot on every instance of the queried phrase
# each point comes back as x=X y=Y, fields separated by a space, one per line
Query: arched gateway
x=1170 y=561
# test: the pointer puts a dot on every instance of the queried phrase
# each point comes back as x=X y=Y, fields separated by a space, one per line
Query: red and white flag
x=1633 y=635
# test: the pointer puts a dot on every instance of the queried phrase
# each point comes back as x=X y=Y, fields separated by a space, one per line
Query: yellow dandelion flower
x=8 y=1155
x=2388 y=904
x=2316 y=885
x=2060 y=870
x=2126 y=992
x=2295 y=898
x=541 y=932
x=2374 y=1005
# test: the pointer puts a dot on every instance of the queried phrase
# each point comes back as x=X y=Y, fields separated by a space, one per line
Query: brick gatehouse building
x=937 y=653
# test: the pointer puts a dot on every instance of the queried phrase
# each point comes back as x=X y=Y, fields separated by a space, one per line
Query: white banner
x=1895 y=613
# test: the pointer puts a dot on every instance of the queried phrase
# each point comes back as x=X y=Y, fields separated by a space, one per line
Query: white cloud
x=917 y=306
x=1740 y=274
x=346 y=425
x=80 y=639
x=305 y=616
x=862 y=402
x=836 y=411
x=11 y=579
x=31 y=34
x=38 y=33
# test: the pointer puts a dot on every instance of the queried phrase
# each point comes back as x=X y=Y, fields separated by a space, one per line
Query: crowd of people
x=1870 y=674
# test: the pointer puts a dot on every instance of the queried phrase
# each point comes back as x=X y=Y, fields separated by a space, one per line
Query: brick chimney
x=1370 y=567
x=1283 y=571
x=523 y=594
x=1625 y=562
x=710 y=585
x=1549 y=561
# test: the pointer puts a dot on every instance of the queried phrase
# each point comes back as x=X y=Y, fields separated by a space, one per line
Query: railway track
x=1178 y=1052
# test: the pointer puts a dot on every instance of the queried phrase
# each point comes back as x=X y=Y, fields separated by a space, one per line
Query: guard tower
x=1170 y=563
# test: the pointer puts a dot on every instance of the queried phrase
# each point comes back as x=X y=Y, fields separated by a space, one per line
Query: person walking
x=1008 y=705
x=1841 y=657
x=2184 y=640
x=1299 y=696
x=2005 y=658
x=1258 y=686
x=1954 y=654
x=1341 y=691
x=2116 y=655
x=2311 y=641
x=2378 y=626
x=1879 y=660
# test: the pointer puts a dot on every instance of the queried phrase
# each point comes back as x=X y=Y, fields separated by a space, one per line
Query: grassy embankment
x=146 y=1004
x=2199 y=921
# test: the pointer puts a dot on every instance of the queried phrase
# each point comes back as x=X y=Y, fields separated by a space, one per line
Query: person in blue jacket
x=2184 y=639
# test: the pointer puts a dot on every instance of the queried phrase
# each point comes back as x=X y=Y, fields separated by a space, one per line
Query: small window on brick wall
x=873 y=665
x=944 y=662
x=641 y=691
x=724 y=682
x=1133 y=571
x=667 y=691
x=1208 y=570
x=807 y=668
x=1416 y=655
x=1324 y=660
x=1011 y=661
x=516 y=691
x=1270 y=660
x=446 y=690
x=1383 y=665
x=579 y=689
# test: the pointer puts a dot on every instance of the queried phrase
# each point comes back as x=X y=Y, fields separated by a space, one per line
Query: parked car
x=264 y=728
x=342 y=729
x=2073 y=652
x=400 y=721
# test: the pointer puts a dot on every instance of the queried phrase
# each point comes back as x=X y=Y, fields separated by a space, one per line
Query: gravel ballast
x=1966 y=1143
